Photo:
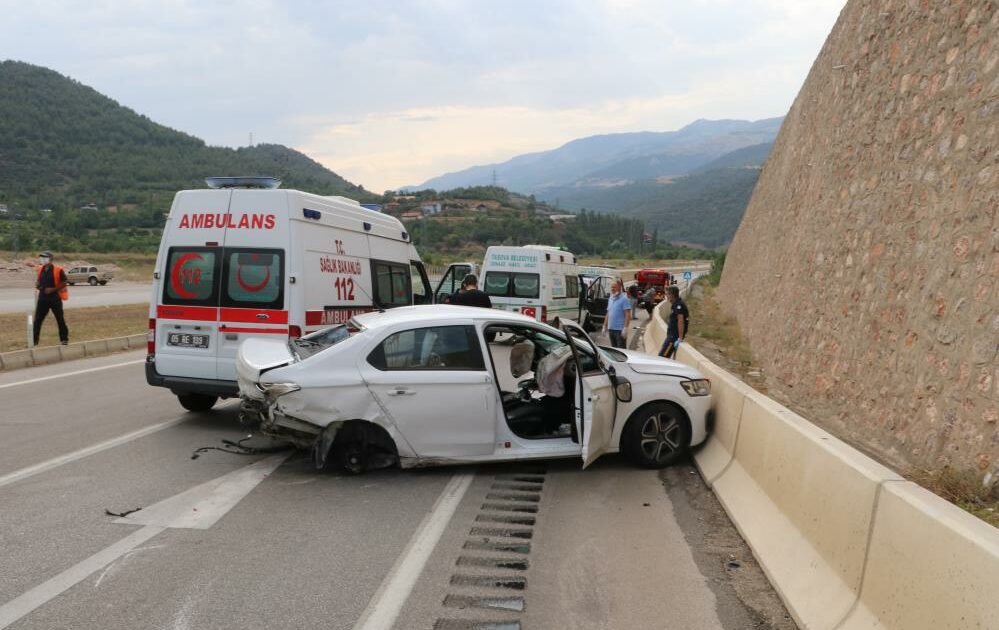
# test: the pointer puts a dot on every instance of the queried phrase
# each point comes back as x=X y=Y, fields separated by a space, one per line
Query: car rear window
x=254 y=278
x=191 y=274
x=507 y=284
x=392 y=284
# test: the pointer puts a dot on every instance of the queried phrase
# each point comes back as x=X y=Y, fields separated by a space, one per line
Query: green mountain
x=703 y=208
x=63 y=145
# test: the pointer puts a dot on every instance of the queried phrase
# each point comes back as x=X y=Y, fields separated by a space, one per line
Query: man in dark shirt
x=51 y=285
x=469 y=294
x=676 y=326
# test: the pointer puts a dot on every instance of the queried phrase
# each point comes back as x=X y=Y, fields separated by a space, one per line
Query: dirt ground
x=20 y=271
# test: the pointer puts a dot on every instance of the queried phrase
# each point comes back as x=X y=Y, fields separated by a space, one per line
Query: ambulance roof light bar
x=266 y=183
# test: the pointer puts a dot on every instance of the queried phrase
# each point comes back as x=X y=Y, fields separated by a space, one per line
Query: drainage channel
x=487 y=589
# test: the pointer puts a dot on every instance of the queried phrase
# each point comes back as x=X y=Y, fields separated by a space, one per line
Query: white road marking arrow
x=202 y=506
x=199 y=508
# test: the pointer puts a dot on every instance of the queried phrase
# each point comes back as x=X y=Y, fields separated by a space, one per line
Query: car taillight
x=544 y=314
x=151 y=337
x=294 y=332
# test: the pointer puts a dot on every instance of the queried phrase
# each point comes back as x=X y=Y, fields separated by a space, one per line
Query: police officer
x=469 y=294
x=676 y=327
x=51 y=285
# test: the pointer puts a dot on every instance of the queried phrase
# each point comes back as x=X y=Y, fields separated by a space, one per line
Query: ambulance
x=245 y=258
x=539 y=281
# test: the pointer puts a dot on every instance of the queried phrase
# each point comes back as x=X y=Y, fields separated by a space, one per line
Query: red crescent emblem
x=251 y=288
x=175 y=280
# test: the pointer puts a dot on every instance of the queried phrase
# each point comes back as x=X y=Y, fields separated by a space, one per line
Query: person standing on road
x=633 y=299
x=51 y=286
x=676 y=327
x=469 y=294
x=618 y=316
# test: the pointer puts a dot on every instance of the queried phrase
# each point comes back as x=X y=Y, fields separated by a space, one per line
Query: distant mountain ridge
x=63 y=144
x=621 y=157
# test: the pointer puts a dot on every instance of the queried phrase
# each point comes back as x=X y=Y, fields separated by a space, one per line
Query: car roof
x=437 y=313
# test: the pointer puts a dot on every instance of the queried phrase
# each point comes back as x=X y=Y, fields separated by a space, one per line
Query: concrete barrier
x=930 y=565
x=846 y=542
x=94 y=348
x=45 y=354
x=72 y=351
x=17 y=359
x=728 y=396
x=137 y=341
x=804 y=501
x=117 y=344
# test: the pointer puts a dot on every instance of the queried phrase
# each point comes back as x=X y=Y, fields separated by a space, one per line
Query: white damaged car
x=433 y=385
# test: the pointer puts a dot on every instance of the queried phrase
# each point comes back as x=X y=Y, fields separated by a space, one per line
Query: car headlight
x=699 y=387
x=274 y=390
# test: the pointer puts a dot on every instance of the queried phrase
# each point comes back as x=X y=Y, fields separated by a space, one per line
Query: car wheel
x=72 y=284
x=360 y=447
x=103 y=282
x=93 y=282
x=197 y=402
x=656 y=435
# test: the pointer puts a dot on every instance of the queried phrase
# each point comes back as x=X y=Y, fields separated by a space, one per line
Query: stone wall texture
x=865 y=271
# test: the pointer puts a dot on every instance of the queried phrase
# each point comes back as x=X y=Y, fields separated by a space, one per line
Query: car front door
x=596 y=405
x=451 y=281
x=434 y=385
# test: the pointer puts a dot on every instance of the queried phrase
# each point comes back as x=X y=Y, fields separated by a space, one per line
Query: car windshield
x=320 y=340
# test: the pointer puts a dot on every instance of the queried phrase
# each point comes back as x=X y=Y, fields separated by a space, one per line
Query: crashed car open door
x=596 y=406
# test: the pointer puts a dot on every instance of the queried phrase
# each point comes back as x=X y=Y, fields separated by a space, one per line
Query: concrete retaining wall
x=846 y=542
x=51 y=354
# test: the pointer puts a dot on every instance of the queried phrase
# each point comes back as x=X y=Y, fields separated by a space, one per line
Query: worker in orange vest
x=52 y=291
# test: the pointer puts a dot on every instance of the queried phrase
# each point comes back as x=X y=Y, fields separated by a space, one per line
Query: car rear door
x=434 y=384
x=596 y=405
x=252 y=296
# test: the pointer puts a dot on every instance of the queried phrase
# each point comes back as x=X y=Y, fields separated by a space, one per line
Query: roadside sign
x=688 y=275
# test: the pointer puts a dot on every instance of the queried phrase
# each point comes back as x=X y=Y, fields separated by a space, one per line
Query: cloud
x=389 y=92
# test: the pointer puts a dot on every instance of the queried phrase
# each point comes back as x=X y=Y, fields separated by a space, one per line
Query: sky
x=389 y=94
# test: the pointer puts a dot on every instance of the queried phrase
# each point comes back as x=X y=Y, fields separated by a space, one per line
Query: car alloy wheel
x=661 y=437
x=656 y=435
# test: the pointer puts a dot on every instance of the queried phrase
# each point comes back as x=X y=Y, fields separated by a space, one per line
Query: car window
x=191 y=276
x=506 y=284
x=526 y=285
x=254 y=278
x=434 y=348
x=392 y=283
x=93 y=269
x=571 y=286
x=497 y=283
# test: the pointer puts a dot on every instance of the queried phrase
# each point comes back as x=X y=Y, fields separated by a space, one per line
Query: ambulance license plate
x=187 y=340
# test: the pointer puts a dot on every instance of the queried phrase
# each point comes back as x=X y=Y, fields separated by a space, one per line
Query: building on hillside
x=90 y=207
x=3 y=208
x=432 y=208
x=562 y=217
x=412 y=214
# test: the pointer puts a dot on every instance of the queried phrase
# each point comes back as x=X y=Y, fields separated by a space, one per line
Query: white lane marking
x=88 y=370
x=228 y=486
x=386 y=604
x=203 y=505
x=55 y=462
x=20 y=606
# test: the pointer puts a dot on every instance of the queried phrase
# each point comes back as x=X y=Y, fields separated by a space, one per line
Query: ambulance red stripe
x=249 y=316
x=191 y=313
x=263 y=331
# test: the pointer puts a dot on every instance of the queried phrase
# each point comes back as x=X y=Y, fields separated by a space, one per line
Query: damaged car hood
x=256 y=356
x=649 y=364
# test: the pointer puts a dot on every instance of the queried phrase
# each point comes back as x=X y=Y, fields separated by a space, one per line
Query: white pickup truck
x=89 y=274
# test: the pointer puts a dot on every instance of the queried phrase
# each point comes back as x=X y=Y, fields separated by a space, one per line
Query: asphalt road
x=22 y=299
x=264 y=541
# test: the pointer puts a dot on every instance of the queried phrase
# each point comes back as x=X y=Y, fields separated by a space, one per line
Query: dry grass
x=963 y=488
x=718 y=336
x=85 y=324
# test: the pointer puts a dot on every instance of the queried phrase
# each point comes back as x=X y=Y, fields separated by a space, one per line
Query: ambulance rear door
x=253 y=291
x=189 y=285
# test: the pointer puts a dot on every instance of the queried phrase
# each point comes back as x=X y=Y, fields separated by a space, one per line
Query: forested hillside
x=63 y=145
